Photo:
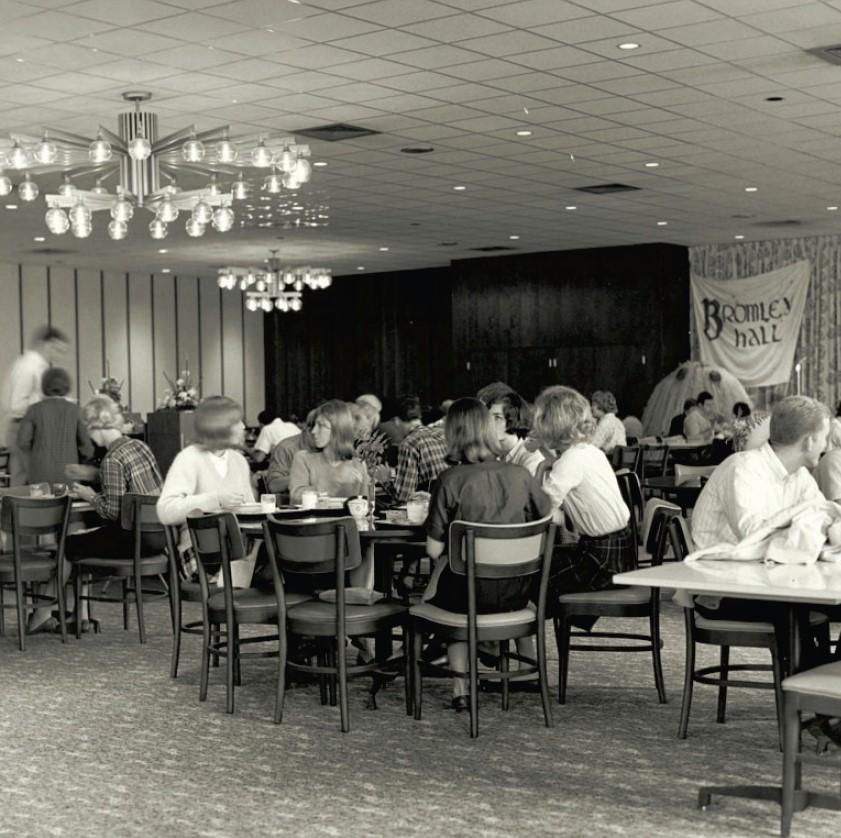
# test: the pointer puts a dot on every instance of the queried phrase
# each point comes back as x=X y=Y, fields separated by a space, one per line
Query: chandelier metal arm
x=116 y=140
x=74 y=140
x=199 y=168
x=85 y=169
x=177 y=137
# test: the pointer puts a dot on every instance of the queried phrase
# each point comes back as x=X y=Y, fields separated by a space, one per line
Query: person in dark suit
x=676 y=425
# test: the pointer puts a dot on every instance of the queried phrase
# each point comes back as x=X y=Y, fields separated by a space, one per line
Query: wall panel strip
x=253 y=365
x=187 y=324
x=62 y=286
x=164 y=312
x=34 y=304
x=232 y=346
x=89 y=304
x=141 y=370
x=115 y=326
x=211 y=337
x=9 y=325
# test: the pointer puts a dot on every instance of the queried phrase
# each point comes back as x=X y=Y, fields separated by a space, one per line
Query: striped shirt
x=420 y=459
x=129 y=466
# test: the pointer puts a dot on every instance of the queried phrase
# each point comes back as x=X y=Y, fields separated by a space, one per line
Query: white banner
x=749 y=327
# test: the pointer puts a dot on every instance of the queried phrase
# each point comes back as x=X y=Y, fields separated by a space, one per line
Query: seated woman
x=52 y=431
x=610 y=431
x=582 y=482
x=330 y=469
x=478 y=488
x=128 y=466
x=211 y=475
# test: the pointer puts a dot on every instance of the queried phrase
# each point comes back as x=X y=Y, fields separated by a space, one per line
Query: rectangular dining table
x=796 y=587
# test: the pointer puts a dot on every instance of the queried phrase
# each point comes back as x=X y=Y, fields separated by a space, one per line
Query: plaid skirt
x=590 y=564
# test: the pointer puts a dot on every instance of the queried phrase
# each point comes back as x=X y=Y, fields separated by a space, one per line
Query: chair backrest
x=35 y=516
x=659 y=537
x=631 y=491
x=499 y=551
x=313 y=546
x=140 y=512
x=655 y=458
x=627 y=456
x=216 y=540
x=684 y=473
x=680 y=537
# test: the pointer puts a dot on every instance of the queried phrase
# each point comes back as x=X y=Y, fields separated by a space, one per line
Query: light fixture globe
x=223 y=219
x=252 y=304
x=79 y=214
x=139 y=148
x=194 y=227
x=295 y=304
x=273 y=184
x=117 y=229
x=67 y=189
x=291 y=182
x=81 y=231
x=6 y=185
x=167 y=211
x=226 y=151
x=100 y=151
x=157 y=229
x=262 y=156
x=17 y=156
x=240 y=189
x=193 y=150
x=303 y=170
x=57 y=221
x=122 y=209
x=203 y=212
x=28 y=189
x=45 y=153
x=286 y=160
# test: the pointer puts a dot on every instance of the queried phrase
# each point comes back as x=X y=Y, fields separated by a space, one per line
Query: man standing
x=23 y=388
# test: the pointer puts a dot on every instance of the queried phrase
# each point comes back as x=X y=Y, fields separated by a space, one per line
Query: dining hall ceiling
x=723 y=95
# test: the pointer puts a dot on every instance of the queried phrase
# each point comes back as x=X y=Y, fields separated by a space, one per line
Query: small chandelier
x=275 y=286
x=146 y=168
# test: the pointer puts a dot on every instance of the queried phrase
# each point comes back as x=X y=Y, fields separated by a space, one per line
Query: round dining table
x=684 y=494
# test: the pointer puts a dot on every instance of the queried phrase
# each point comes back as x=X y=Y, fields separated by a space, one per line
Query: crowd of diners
x=488 y=458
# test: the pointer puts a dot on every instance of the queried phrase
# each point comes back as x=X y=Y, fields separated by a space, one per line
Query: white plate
x=251 y=509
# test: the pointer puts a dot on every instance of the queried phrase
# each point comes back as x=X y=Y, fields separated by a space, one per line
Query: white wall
x=139 y=325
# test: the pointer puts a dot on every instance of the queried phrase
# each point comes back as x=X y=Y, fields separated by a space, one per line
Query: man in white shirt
x=273 y=430
x=23 y=388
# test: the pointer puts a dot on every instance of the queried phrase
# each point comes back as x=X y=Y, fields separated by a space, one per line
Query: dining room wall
x=140 y=327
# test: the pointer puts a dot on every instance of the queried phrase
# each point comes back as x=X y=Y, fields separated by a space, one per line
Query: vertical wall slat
x=9 y=325
x=115 y=321
x=211 y=337
x=187 y=323
x=89 y=343
x=34 y=305
x=63 y=309
x=232 y=345
x=254 y=365
x=165 y=360
x=140 y=343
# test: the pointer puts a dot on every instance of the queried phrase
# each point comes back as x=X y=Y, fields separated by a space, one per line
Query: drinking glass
x=59 y=489
x=39 y=490
x=268 y=503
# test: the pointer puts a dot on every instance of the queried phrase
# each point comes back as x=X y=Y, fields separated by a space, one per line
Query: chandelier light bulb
x=45 y=152
x=273 y=183
x=100 y=150
x=252 y=304
x=56 y=220
x=296 y=304
x=79 y=214
x=286 y=160
x=261 y=157
x=117 y=229
x=291 y=182
x=240 y=189
x=6 y=185
x=243 y=284
x=226 y=151
x=167 y=211
x=157 y=229
x=203 y=212
x=193 y=150
x=194 y=227
x=121 y=209
x=18 y=158
x=67 y=189
x=298 y=286
x=139 y=148
x=28 y=189
x=223 y=219
x=81 y=231
x=303 y=170
x=99 y=189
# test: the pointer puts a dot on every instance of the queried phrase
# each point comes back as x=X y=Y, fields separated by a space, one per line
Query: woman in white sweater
x=208 y=475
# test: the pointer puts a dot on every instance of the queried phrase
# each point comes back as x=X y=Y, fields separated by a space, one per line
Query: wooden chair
x=217 y=541
x=626 y=457
x=726 y=634
x=684 y=473
x=331 y=547
x=489 y=551
x=654 y=461
x=139 y=515
x=625 y=602
x=5 y=476
x=813 y=691
x=26 y=566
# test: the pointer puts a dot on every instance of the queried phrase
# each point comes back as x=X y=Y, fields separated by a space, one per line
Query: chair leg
x=321 y=660
x=62 y=611
x=217 y=639
x=230 y=665
x=473 y=681
x=125 y=604
x=341 y=662
x=280 y=695
x=688 y=681
x=77 y=601
x=504 y=667
x=417 y=676
x=408 y=669
x=206 y=640
x=2 y=612
x=138 y=604
x=778 y=692
x=790 y=751
x=654 y=623
x=721 y=709
x=330 y=660
x=543 y=677
x=235 y=653
x=562 y=630
x=21 y=606
x=176 y=634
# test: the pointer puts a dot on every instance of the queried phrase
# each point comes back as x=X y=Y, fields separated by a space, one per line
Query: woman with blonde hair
x=332 y=469
x=582 y=483
x=609 y=431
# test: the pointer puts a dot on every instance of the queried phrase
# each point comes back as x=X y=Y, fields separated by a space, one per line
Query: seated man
x=280 y=462
x=698 y=427
x=272 y=431
x=421 y=455
x=676 y=425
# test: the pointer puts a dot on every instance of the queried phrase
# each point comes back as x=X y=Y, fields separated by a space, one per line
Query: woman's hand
x=83 y=492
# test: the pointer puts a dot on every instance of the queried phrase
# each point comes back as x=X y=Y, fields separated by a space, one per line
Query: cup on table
x=417 y=508
x=268 y=503
x=39 y=490
x=359 y=507
x=60 y=489
x=309 y=499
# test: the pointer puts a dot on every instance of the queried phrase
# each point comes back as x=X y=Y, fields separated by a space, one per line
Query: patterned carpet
x=96 y=739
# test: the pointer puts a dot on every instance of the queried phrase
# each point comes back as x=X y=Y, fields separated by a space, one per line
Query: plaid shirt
x=128 y=466
x=420 y=459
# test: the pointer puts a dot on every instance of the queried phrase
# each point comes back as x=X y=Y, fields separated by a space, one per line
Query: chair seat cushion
x=821 y=681
x=33 y=565
x=251 y=605
x=632 y=595
x=149 y=565
x=706 y=624
x=317 y=612
x=502 y=619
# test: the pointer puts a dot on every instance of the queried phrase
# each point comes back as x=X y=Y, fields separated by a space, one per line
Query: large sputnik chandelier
x=274 y=286
x=146 y=170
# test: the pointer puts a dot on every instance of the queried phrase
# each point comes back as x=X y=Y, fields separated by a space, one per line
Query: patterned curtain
x=819 y=344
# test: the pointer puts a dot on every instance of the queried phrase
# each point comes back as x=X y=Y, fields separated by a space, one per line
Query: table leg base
x=802 y=799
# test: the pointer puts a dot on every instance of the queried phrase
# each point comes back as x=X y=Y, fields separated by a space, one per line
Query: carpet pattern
x=96 y=739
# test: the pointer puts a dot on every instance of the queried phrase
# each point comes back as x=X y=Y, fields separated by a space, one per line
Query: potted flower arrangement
x=112 y=388
x=181 y=395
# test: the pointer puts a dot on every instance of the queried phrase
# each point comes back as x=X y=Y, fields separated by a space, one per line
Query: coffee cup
x=268 y=503
x=358 y=507
x=309 y=499
x=416 y=511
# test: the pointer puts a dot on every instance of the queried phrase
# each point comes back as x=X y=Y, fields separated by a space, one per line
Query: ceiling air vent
x=783 y=222
x=417 y=149
x=607 y=188
x=831 y=54
x=493 y=248
x=52 y=251
x=334 y=133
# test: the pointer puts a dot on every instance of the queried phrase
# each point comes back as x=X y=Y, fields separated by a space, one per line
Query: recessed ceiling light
x=383 y=250
x=269 y=29
x=570 y=208
x=165 y=270
x=514 y=238
x=629 y=45
x=360 y=267
x=38 y=239
x=11 y=206
x=19 y=60
x=662 y=223
x=459 y=188
x=651 y=165
x=320 y=164
x=774 y=99
x=738 y=238
x=163 y=250
x=524 y=133
x=751 y=189
x=832 y=209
